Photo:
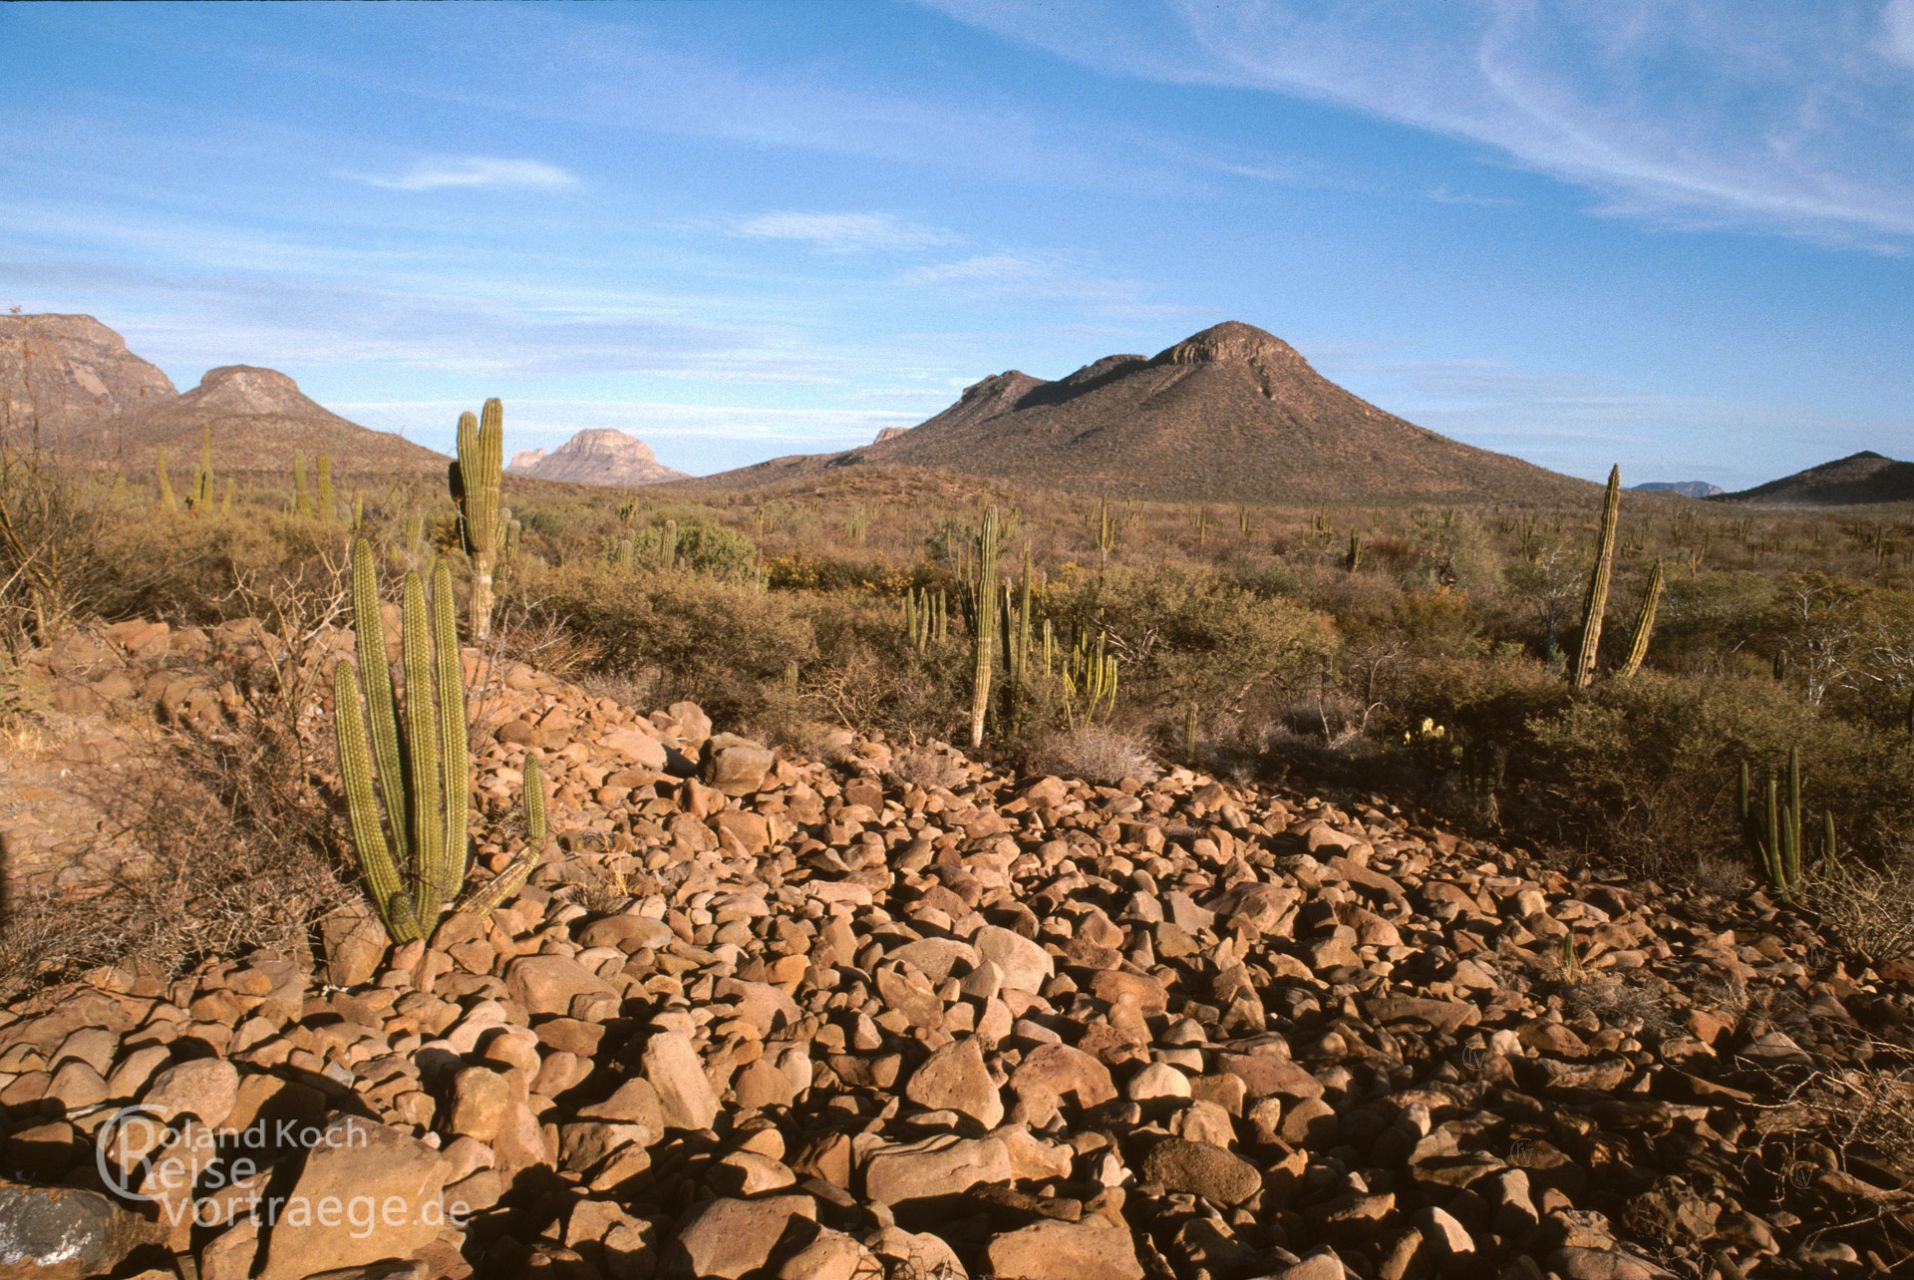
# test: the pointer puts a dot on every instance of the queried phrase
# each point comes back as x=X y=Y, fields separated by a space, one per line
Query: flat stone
x=1091 y=1249
x=955 y=1079
x=730 y=1238
x=1202 y=1170
x=685 y=1097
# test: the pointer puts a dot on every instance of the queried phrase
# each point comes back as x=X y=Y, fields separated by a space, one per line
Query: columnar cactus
x=327 y=512
x=167 y=501
x=423 y=771
x=476 y=477
x=1106 y=529
x=1644 y=624
x=200 y=501
x=1596 y=602
x=984 y=594
x=301 y=498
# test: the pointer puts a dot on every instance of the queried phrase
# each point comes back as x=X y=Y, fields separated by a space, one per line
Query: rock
x=734 y=765
x=547 y=985
x=1573 y=1263
x=481 y=1099
x=1051 y=1072
x=685 y=1097
x=955 y=1079
x=1317 y=1266
x=832 y=1256
x=728 y=1239
x=1025 y=965
x=1202 y=1170
x=945 y=1165
x=357 y=1167
x=1091 y=1249
x=62 y=1233
x=204 y=1088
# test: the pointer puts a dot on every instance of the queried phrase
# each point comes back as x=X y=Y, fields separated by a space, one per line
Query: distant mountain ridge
x=599 y=456
x=1858 y=479
x=1230 y=414
x=1684 y=488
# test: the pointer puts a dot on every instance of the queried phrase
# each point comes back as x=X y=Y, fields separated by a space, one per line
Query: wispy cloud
x=1033 y=278
x=845 y=232
x=1443 y=195
x=471 y=171
x=1705 y=114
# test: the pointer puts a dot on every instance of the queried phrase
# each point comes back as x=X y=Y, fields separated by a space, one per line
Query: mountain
x=597 y=456
x=1859 y=478
x=1683 y=488
x=71 y=377
x=1231 y=414
x=259 y=420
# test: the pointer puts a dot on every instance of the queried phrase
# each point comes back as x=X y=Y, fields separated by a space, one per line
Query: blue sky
x=1671 y=235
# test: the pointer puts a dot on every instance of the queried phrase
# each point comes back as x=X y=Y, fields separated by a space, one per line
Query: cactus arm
x=375 y=674
x=368 y=840
x=1644 y=624
x=453 y=744
x=483 y=900
x=422 y=755
x=1596 y=603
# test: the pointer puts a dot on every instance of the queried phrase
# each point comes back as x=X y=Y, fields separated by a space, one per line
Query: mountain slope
x=1681 y=488
x=598 y=456
x=1859 y=478
x=259 y=420
x=70 y=377
x=1230 y=414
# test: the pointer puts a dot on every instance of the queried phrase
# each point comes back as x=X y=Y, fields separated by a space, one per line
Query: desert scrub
x=1098 y=753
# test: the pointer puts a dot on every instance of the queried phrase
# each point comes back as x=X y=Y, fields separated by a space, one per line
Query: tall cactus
x=1596 y=602
x=1773 y=832
x=476 y=476
x=200 y=500
x=301 y=497
x=987 y=603
x=1644 y=624
x=423 y=774
x=327 y=512
x=167 y=501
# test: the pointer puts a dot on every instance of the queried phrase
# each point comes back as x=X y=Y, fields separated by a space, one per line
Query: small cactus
x=476 y=476
x=1644 y=624
x=1596 y=602
x=167 y=501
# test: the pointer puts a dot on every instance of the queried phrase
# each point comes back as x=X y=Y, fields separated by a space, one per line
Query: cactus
x=1644 y=624
x=476 y=476
x=1089 y=683
x=200 y=500
x=1772 y=832
x=1202 y=526
x=984 y=596
x=1106 y=530
x=327 y=511
x=226 y=498
x=483 y=899
x=423 y=774
x=167 y=501
x=1189 y=734
x=1596 y=602
x=1352 y=559
x=301 y=498
x=926 y=618
x=1242 y=521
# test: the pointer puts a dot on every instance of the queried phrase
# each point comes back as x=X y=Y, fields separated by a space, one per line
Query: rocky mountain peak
x=70 y=375
x=598 y=455
x=1232 y=341
x=245 y=388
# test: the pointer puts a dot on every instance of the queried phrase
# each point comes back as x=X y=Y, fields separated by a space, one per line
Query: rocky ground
x=899 y=1014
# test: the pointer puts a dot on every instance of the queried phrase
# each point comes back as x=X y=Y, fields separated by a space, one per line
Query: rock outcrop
x=70 y=378
x=599 y=456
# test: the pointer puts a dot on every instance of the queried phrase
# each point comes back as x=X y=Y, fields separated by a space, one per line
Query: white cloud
x=1025 y=277
x=1897 y=32
x=471 y=171
x=845 y=232
x=1712 y=113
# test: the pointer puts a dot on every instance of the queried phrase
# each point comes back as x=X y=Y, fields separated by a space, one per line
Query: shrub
x=1096 y=753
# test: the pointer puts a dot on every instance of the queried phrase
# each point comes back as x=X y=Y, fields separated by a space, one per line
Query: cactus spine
x=1644 y=624
x=989 y=540
x=423 y=775
x=167 y=501
x=1596 y=603
x=476 y=477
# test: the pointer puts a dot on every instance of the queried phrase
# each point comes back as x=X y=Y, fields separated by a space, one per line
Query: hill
x=599 y=456
x=1680 y=488
x=71 y=378
x=259 y=420
x=1231 y=414
x=1858 y=479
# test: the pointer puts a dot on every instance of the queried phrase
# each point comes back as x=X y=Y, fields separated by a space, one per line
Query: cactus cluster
x=1771 y=826
x=476 y=476
x=410 y=833
x=1089 y=682
x=926 y=618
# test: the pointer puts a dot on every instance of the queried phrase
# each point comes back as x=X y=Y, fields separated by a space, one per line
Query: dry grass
x=1872 y=910
x=930 y=766
x=1096 y=753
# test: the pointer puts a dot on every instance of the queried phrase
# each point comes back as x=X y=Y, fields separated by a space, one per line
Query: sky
x=1671 y=235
